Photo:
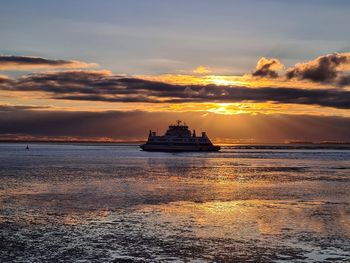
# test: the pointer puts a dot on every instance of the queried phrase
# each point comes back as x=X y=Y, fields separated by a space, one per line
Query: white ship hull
x=180 y=148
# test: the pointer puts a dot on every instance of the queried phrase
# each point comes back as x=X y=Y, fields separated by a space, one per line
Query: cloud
x=13 y=108
x=324 y=69
x=344 y=80
x=124 y=99
x=4 y=79
x=201 y=70
x=136 y=124
x=5 y=82
x=28 y=63
x=267 y=68
x=91 y=85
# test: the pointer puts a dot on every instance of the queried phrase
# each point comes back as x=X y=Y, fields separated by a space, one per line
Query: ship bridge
x=178 y=130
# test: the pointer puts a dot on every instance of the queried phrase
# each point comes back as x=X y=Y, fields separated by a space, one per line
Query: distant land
x=225 y=144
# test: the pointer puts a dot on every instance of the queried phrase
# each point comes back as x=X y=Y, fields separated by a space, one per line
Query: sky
x=244 y=71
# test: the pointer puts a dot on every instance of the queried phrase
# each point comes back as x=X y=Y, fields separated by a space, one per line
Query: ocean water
x=115 y=203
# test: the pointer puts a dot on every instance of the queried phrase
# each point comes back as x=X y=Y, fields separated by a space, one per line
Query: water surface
x=115 y=203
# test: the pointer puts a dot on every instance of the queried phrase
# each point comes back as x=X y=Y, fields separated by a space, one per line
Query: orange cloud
x=267 y=68
x=201 y=70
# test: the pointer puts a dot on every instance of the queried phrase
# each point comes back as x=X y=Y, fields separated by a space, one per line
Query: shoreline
x=236 y=146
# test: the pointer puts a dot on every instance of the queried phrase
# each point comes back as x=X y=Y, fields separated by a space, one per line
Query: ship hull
x=179 y=148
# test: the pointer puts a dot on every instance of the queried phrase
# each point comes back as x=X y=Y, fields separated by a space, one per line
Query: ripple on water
x=109 y=204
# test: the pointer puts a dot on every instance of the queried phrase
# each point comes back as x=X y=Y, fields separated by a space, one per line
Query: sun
x=224 y=80
x=217 y=80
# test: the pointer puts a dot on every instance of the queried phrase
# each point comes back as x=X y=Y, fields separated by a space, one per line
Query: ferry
x=178 y=138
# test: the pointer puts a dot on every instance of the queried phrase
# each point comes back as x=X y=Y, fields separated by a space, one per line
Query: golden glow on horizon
x=225 y=80
x=22 y=98
x=43 y=102
x=182 y=79
x=222 y=81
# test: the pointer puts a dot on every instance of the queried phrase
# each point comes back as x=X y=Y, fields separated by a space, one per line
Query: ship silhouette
x=178 y=138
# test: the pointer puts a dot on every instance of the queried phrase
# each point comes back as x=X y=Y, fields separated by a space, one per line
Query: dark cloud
x=267 y=68
x=12 y=108
x=107 y=99
x=324 y=69
x=4 y=80
x=329 y=98
x=99 y=86
x=344 y=80
x=94 y=86
x=136 y=124
x=25 y=62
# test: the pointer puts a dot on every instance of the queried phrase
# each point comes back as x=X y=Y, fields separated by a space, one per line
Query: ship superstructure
x=178 y=137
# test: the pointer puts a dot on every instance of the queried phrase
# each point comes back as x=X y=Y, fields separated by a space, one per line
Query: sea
x=66 y=202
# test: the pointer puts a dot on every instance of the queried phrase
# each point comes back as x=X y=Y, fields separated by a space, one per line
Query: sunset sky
x=244 y=71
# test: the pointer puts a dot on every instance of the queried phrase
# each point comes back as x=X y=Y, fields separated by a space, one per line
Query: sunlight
x=201 y=70
x=221 y=81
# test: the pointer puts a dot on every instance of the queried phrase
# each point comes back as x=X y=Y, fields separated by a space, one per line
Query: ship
x=178 y=138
